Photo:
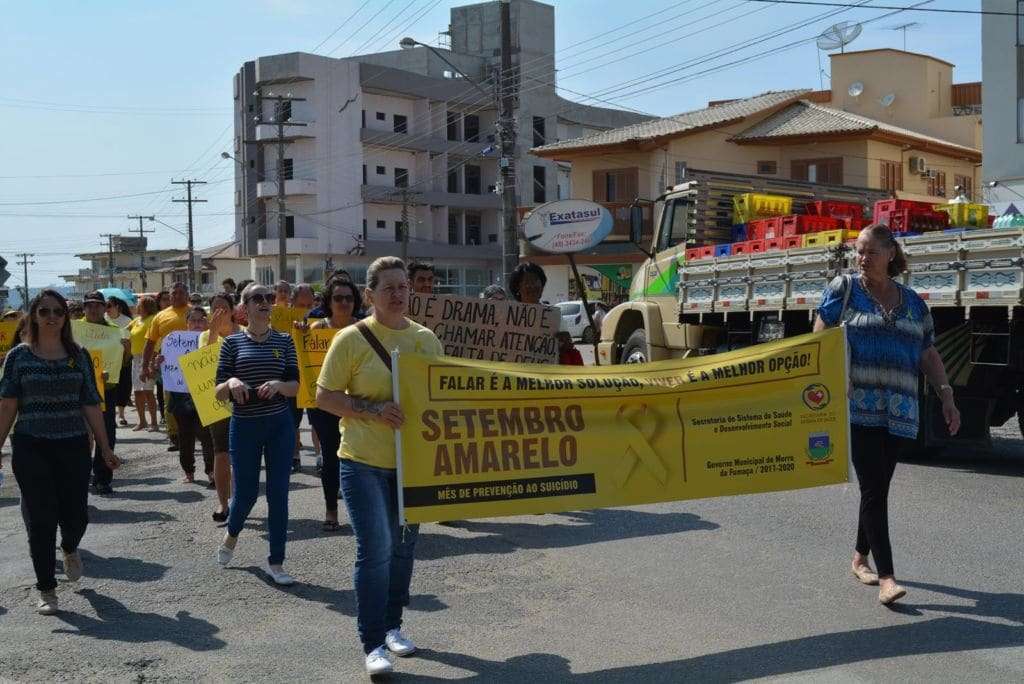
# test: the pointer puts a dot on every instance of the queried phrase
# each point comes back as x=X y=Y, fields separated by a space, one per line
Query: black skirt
x=123 y=396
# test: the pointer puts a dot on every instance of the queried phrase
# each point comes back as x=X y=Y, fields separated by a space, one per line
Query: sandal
x=864 y=574
x=220 y=517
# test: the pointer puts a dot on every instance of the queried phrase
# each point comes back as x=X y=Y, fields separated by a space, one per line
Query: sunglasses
x=260 y=298
x=343 y=299
x=47 y=312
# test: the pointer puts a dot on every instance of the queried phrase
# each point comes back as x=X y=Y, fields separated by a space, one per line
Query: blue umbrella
x=125 y=296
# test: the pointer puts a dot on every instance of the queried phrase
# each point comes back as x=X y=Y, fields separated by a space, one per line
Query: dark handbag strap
x=847 y=290
x=374 y=343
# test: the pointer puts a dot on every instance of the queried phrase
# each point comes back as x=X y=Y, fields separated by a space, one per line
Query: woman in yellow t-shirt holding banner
x=145 y=399
x=222 y=324
x=355 y=384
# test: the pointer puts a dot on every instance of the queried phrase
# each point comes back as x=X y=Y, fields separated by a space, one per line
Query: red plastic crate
x=799 y=224
x=853 y=223
x=693 y=253
x=834 y=209
x=696 y=253
x=764 y=229
x=885 y=207
x=792 y=241
x=748 y=247
x=773 y=244
x=908 y=221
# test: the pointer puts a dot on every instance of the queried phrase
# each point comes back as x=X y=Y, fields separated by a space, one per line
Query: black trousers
x=329 y=431
x=53 y=475
x=101 y=474
x=190 y=427
x=875 y=453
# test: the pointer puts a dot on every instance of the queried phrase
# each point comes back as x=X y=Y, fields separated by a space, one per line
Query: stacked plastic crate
x=907 y=218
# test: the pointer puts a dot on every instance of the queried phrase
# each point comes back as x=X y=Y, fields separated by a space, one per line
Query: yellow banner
x=282 y=317
x=7 y=341
x=311 y=348
x=494 y=439
x=97 y=367
x=103 y=338
x=200 y=371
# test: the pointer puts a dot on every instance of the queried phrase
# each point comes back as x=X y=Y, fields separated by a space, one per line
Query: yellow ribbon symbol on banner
x=638 y=425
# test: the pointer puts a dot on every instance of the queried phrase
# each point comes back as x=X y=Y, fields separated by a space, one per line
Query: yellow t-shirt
x=352 y=366
x=167 y=321
x=137 y=331
x=204 y=337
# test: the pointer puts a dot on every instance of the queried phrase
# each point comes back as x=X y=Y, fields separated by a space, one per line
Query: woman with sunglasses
x=49 y=386
x=257 y=372
x=186 y=415
x=222 y=325
x=343 y=299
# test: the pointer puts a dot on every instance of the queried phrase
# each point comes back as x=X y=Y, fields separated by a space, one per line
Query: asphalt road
x=714 y=590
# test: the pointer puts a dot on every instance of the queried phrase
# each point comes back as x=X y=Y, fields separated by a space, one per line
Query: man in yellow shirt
x=167 y=321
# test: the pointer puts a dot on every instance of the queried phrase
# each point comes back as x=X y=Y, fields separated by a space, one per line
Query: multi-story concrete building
x=1002 y=67
x=131 y=260
x=408 y=132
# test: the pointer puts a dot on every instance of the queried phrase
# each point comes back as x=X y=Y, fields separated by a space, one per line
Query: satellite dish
x=856 y=88
x=838 y=36
x=887 y=100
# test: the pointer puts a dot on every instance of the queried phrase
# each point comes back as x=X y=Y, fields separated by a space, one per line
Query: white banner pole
x=395 y=394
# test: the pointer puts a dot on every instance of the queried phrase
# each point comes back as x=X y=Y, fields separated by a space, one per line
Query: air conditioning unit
x=917 y=165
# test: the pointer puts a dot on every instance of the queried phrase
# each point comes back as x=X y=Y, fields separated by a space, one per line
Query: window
x=446 y=280
x=828 y=170
x=539 y=136
x=472 y=229
x=476 y=280
x=966 y=185
x=680 y=171
x=472 y=180
x=453 y=126
x=364 y=174
x=767 y=168
x=252 y=163
x=539 y=187
x=675 y=224
x=382 y=225
x=381 y=171
x=401 y=178
x=453 y=229
x=238 y=198
x=616 y=185
x=289 y=226
x=399 y=232
x=381 y=116
x=493 y=237
x=287 y=169
x=283 y=110
x=364 y=230
x=937 y=184
x=362 y=118
x=890 y=176
x=401 y=124
x=471 y=128
x=453 y=180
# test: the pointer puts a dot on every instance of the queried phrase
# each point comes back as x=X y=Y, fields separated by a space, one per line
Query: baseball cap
x=94 y=296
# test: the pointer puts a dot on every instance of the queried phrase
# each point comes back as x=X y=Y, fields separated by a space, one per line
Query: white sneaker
x=279 y=576
x=73 y=566
x=398 y=644
x=224 y=555
x=377 y=662
x=48 y=603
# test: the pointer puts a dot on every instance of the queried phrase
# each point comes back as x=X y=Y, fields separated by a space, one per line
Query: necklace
x=888 y=316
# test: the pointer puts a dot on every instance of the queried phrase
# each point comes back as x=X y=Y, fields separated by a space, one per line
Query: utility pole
x=282 y=114
x=405 y=225
x=507 y=91
x=25 y=263
x=110 y=257
x=142 y=248
x=191 y=245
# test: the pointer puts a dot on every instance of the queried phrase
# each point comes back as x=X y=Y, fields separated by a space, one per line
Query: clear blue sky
x=145 y=88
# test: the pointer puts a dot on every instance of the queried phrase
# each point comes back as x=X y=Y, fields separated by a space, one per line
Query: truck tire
x=635 y=350
x=588 y=335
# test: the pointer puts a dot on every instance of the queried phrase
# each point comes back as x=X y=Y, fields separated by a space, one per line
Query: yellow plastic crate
x=752 y=205
x=829 y=237
x=974 y=215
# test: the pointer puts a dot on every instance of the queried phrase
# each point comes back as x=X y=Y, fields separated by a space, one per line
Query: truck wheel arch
x=626 y=319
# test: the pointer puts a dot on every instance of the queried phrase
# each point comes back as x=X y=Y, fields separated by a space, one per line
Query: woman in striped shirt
x=258 y=371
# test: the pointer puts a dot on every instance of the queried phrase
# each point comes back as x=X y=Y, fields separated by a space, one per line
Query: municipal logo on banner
x=819 y=448
x=816 y=396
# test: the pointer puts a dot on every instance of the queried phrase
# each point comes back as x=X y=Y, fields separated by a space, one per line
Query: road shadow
x=975 y=462
x=116 y=622
x=1003 y=605
x=340 y=600
x=144 y=481
x=124 y=569
x=114 y=516
x=4 y=503
x=585 y=527
x=304 y=529
x=3 y=611
x=185 y=497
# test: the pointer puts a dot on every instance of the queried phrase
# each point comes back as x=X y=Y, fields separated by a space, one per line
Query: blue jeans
x=384 y=550
x=248 y=440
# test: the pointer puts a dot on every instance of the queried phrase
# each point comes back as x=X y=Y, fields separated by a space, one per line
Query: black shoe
x=296 y=465
x=172 y=447
x=220 y=517
x=104 y=489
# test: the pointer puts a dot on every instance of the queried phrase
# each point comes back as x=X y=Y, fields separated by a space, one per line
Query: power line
x=85 y=199
x=889 y=7
x=341 y=26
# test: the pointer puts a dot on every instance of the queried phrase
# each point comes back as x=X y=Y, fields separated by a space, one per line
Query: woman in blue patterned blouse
x=49 y=386
x=891 y=340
